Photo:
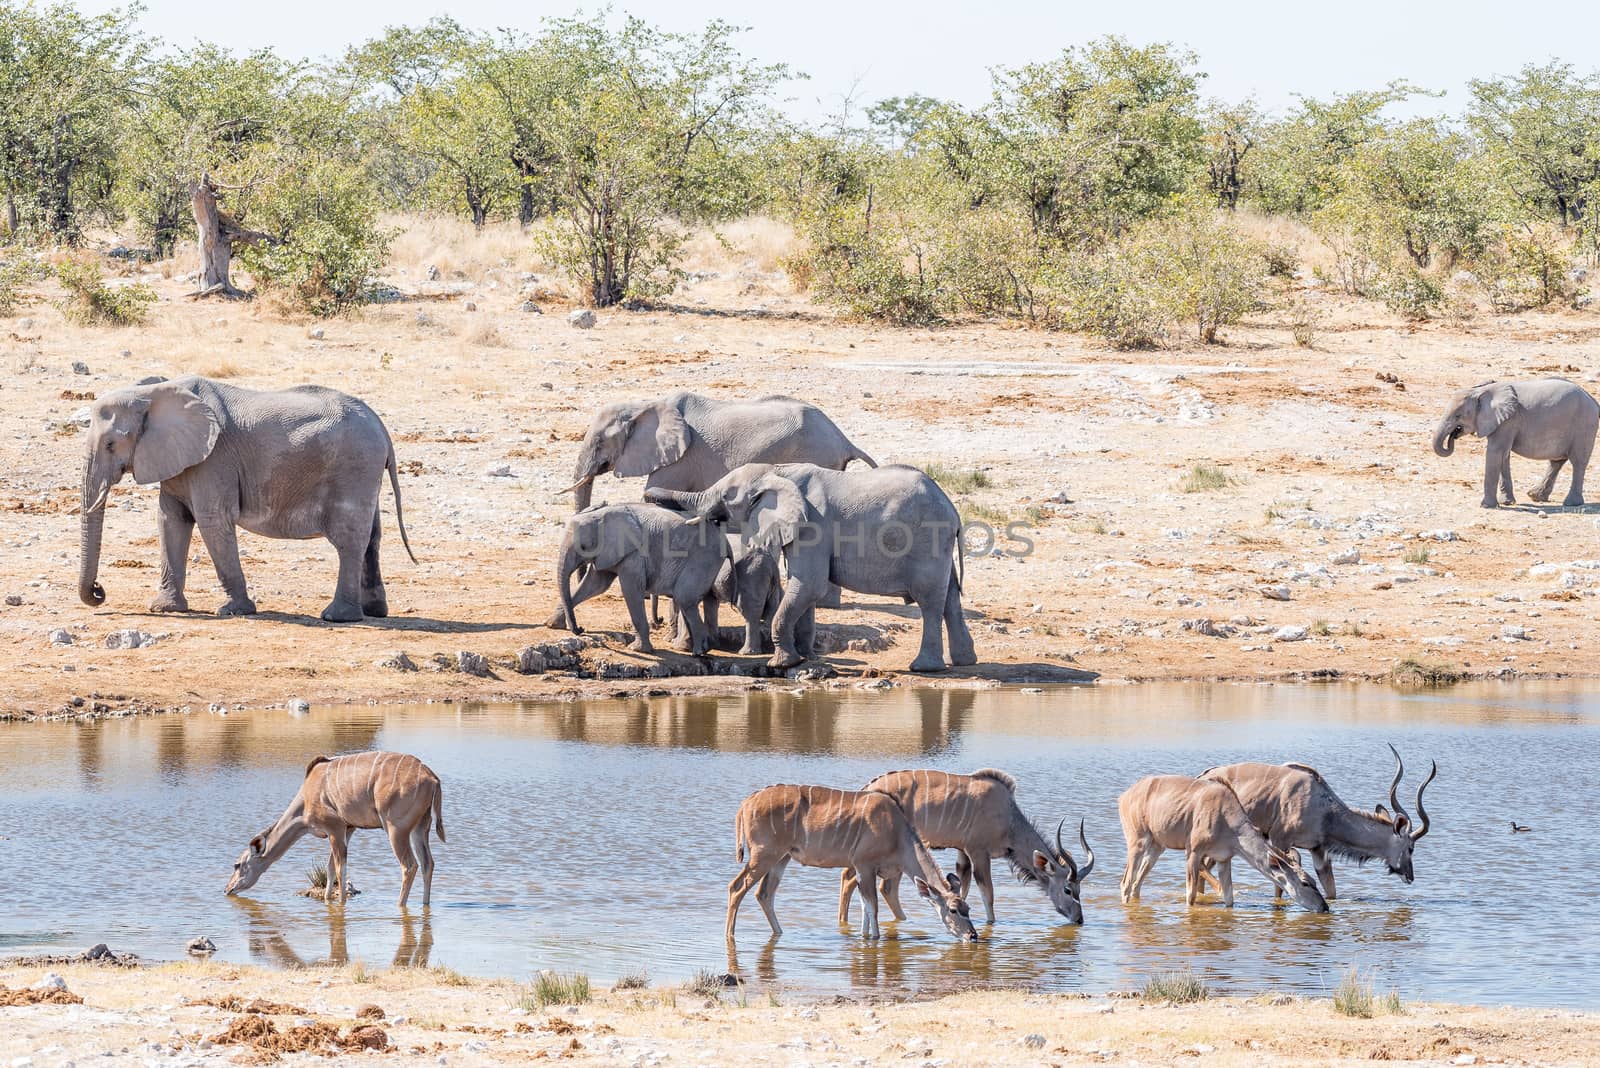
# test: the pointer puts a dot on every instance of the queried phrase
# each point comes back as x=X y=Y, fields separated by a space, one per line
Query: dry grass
x=459 y=252
x=1180 y=988
x=755 y=242
x=1311 y=250
x=488 y=335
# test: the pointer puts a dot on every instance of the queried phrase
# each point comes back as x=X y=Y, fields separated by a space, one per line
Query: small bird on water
x=1517 y=828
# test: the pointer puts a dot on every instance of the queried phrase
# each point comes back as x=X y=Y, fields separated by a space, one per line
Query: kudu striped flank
x=820 y=827
x=977 y=815
x=340 y=794
x=1293 y=805
x=1206 y=821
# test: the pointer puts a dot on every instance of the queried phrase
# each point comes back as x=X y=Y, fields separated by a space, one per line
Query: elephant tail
x=857 y=454
x=399 y=513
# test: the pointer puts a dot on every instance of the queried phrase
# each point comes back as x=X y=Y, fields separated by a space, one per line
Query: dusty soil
x=1323 y=457
x=199 y=1014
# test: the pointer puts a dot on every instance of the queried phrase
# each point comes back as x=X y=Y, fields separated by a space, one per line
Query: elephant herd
x=752 y=503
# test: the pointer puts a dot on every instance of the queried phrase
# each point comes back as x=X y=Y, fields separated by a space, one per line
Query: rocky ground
x=1246 y=510
x=193 y=1014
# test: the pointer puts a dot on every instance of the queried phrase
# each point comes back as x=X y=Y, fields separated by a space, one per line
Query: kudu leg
x=1140 y=861
x=847 y=889
x=1192 y=867
x=1225 y=882
x=983 y=875
x=423 y=850
x=1324 y=865
x=400 y=842
x=741 y=885
x=768 y=891
x=338 y=850
x=963 y=873
x=869 y=902
x=890 y=889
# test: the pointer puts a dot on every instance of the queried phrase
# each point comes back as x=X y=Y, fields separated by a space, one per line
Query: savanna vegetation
x=1099 y=190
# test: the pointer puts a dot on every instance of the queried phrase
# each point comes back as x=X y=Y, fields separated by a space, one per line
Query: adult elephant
x=1544 y=419
x=888 y=531
x=305 y=462
x=684 y=441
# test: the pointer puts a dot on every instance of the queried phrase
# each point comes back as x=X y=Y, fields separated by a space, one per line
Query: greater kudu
x=363 y=790
x=1206 y=821
x=825 y=828
x=977 y=815
x=1293 y=805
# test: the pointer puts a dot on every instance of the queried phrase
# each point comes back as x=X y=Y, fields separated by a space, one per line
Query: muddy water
x=598 y=837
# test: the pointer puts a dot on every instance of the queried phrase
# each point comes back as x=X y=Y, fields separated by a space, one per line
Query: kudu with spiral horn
x=978 y=815
x=1295 y=808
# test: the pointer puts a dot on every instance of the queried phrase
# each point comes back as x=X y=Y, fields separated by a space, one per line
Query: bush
x=552 y=989
x=1283 y=260
x=1205 y=271
x=1203 y=478
x=1528 y=269
x=91 y=302
x=1410 y=293
x=1179 y=987
x=15 y=273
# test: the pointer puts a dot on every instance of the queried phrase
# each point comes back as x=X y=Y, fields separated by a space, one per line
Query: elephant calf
x=1544 y=419
x=750 y=582
x=650 y=550
x=306 y=462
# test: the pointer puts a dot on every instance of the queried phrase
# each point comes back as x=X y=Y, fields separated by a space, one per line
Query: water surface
x=598 y=837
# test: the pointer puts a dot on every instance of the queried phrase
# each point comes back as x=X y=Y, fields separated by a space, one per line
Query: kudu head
x=1398 y=849
x=946 y=901
x=1292 y=879
x=1061 y=878
x=248 y=868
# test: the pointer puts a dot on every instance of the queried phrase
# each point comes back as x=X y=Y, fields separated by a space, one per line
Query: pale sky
x=1271 y=50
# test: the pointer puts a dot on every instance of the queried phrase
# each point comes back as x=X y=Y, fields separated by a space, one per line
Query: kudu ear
x=922 y=886
x=1381 y=811
x=255 y=845
x=952 y=882
x=1041 y=862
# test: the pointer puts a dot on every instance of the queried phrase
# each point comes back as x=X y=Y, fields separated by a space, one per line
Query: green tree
x=1295 y=169
x=1543 y=126
x=649 y=129
x=65 y=78
x=1231 y=134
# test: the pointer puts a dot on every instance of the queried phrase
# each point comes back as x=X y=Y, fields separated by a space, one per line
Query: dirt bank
x=215 y=1013
x=1319 y=486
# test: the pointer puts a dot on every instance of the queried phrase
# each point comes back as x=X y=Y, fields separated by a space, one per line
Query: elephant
x=1544 y=419
x=750 y=582
x=296 y=463
x=684 y=441
x=889 y=531
x=651 y=550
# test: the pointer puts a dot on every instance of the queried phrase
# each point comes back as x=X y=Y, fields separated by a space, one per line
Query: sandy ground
x=157 y=1016
x=1325 y=461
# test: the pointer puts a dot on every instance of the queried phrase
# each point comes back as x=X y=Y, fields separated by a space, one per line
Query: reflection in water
x=541 y=797
x=267 y=936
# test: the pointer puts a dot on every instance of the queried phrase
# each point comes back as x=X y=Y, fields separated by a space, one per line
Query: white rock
x=316 y=334
x=1438 y=535
x=299 y=706
x=1275 y=593
x=51 y=981
x=79 y=367
x=60 y=636
x=81 y=417
x=1513 y=633
x=1033 y=1041
x=129 y=639
x=1349 y=556
x=498 y=471
x=1290 y=634
x=583 y=319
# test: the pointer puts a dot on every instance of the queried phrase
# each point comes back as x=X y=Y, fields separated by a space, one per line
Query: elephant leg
x=222 y=542
x=350 y=541
x=177 y=530
x=1506 y=496
x=634 y=587
x=831 y=598
x=374 y=598
x=796 y=601
x=1541 y=492
x=805 y=633
x=1579 y=457
x=962 y=652
x=930 y=656
x=697 y=637
x=593 y=584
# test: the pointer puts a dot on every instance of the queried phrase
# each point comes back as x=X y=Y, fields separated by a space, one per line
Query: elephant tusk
x=581 y=482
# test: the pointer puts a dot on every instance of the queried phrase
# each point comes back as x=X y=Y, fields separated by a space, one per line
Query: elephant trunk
x=590 y=465
x=1444 y=439
x=92 y=523
x=680 y=500
x=568 y=563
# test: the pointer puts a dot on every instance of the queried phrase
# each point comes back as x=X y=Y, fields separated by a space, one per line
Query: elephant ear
x=179 y=431
x=777 y=511
x=658 y=438
x=1496 y=404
